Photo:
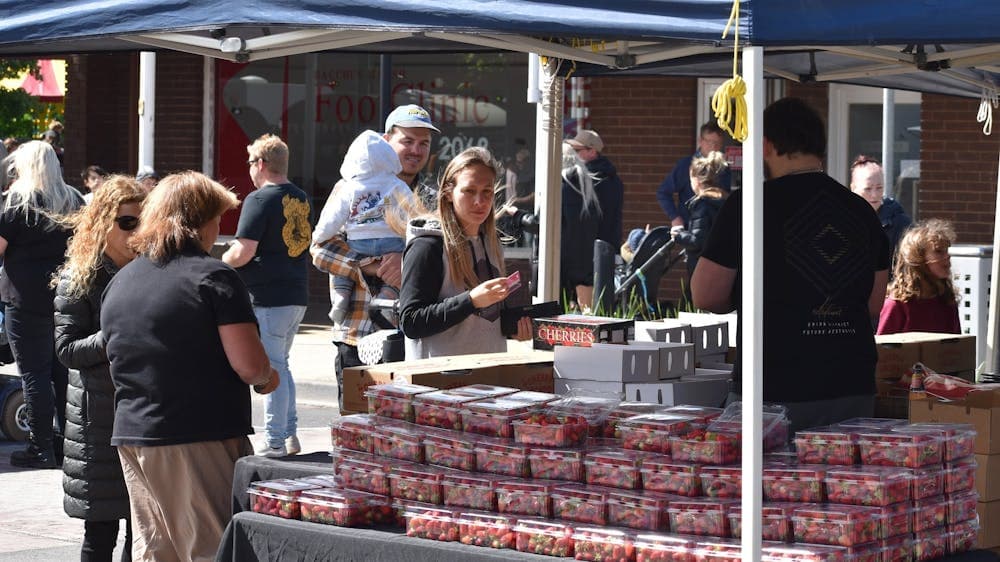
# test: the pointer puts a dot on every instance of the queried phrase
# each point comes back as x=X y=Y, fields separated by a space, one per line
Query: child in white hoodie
x=357 y=206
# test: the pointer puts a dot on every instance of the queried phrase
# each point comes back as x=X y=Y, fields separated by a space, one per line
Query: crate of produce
x=959 y=438
x=626 y=410
x=639 y=509
x=485 y=390
x=775 y=523
x=551 y=430
x=450 y=449
x=794 y=483
x=706 y=447
x=441 y=408
x=929 y=513
x=415 y=482
x=926 y=482
x=435 y=523
x=960 y=475
x=962 y=536
x=478 y=528
x=721 y=481
x=652 y=432
x=618 y=468
x=532 y=498
x=368 y=475
x=962 y=506
x=594 y=409
x=703 y=517
x=471 y=490
x=896 y=519
x=580 y=503
x=701 y=414
x=400 y=440
x=897 y=549
x=503 y=456
x=827 y=445
x=354 y=432
x=911 y=448
x=493 y=416
x=663 y=547
x=774 y=424
x=278 y=497
x=930 y=544
x=660 y=473
x=394 y=400
x=557 y=464
x=867 y=485
x=838 y=525
x=812 y=553
x=345 y=508
x=551 y=538
x=602 y=544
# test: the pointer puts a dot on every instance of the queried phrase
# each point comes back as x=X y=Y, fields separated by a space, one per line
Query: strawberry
x=486 y=529
x=346 y=508
x=525 y=497
x=399 y=440
x=394 y=400
x=354 y=432
x=551 y=538
x=639 y=509
x=700 y=517
x=439 y=524
x=838 y=525
x=664 y=548
x=551 y=430
x=502 y=456
x=930 y=544
x=868 y=485
x=661 y=474
x=960 y=475
x=614 y=467
x=477 y=491
x=962 y=507
x=603 y=545
x=827 y=445
x=721 y=481
x=580 y=503
x=776 y=523
x=651 y=432
x=911 y=448
x=493 y=416
x=450 y=449
x=556 y=464
x=793 y=483
x=442 y=408
x=417 y=483
x=278 y=497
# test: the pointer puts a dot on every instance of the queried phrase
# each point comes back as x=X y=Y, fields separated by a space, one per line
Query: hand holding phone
x=513 y=281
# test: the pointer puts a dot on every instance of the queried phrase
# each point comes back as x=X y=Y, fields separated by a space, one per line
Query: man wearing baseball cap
x=408 y=130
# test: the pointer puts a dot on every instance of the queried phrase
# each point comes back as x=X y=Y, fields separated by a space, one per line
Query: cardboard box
x=896 y=355
x=989 y=524
x=727 y=367
x=530 y=370
x=580 y=330
x=988 y=477
x=731 y=319
x=658 y=330
x=694 y=391
x=943 y=353
x=676 y=359
x=607 y=362
x=981 y=409
x=709 y=332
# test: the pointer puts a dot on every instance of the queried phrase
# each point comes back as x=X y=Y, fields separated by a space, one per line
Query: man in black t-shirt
x=270 y=253
x=825 y=271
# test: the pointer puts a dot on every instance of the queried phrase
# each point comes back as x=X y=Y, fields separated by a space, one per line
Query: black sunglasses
x=127 y=222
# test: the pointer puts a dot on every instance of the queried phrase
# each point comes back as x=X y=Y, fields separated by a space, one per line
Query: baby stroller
x=635 y=284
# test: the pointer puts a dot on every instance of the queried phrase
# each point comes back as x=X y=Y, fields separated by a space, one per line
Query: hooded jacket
x=894 y=221
x=436 y=314
x=357 y=203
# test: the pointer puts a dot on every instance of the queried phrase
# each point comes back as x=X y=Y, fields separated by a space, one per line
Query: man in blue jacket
x=678 y=182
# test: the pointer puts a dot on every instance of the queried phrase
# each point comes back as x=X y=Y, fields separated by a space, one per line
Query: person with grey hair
x=581 y=219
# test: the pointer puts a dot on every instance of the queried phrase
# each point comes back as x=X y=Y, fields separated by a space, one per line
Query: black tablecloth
x=253 y=537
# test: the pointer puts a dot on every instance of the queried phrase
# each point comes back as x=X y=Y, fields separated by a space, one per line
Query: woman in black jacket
x=703 y=207
x=92 y=474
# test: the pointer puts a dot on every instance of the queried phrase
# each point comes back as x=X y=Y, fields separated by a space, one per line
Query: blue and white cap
x=410 y=116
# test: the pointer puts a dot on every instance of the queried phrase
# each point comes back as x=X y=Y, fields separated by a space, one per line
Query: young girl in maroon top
x=921 y=297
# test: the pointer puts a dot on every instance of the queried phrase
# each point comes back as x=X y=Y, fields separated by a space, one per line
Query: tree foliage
x=17 y=107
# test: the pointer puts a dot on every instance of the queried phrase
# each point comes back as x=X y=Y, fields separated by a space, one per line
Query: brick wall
x=179 y=91
x=647 y=124
x=958 y=167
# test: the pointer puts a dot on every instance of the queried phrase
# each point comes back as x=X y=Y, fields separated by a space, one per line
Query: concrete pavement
x=33 y=525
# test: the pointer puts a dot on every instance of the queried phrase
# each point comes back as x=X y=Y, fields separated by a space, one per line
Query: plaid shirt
x=333 y=257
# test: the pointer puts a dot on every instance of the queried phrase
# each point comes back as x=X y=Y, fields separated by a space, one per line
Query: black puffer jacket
x=92 y=474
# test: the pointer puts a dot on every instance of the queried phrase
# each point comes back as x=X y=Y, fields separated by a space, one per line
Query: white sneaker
x=292 y=445
x=270 y=452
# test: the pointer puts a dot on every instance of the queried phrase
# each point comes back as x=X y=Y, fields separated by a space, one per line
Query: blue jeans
x=367 y=248
x=278 y=325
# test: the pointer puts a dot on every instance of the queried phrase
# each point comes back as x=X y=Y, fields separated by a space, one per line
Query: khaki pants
x=181 y=497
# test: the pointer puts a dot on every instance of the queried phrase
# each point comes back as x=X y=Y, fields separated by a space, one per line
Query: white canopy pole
x=992 y=347
x=752 y=298
x=548 y=164
x=888 y=143
x=147 y=107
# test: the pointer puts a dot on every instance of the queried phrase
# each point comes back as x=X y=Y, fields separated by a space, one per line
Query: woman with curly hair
x=93 y=482
x=33 y=245
x=921 y=296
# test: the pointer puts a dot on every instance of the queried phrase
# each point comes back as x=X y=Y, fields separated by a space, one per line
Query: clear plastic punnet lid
x=582 y=492
x=323 y=480
x=667 y=424
x=342 y=498
x=703 y=505
x=828 y=434
x=363 y=422
x=473 y=479
x=871 y=423
x=718 y=549
x=679 y=547
x=431 y=512
x=604 y=535
x=397 y=390
x=420 y=471
x=558 y=453
x=281 y=487
x=628 y=409
x=529 y=486
x=836 y=513
x=533 y=397
x=450 y=439
x=805 y=553
x=542 y=527
x=731 y=419
x=594 y=408
x=885 y=474
x=485 y=390
x=485 y=519
x=643 y=498
x=501 y=445
x=663 y=463
x=402 y=431
x=796 y=471
x=947 y=428
x=448 y=398
x=503 y=406
x=625 y=458
x=705 y=414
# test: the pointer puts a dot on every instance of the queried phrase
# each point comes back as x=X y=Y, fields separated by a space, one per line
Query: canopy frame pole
x=752 y=298
x=548 y=182
x=992 y=345
x=147 y=108
x=888 y=142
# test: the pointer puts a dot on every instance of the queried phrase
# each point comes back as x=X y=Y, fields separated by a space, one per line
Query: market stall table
x=252 y=537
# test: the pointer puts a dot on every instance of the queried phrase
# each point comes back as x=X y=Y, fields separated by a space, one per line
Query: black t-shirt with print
x=173 y=382
x=279 y=218
x=822 y=247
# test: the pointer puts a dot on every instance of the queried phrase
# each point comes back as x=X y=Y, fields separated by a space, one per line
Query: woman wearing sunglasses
x=93 y=482
x=33 y=245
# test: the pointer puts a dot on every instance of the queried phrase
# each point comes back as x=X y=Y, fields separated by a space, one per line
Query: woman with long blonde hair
x=33 y=245
x=453 y=285
x=93 y=483
x=921 y=297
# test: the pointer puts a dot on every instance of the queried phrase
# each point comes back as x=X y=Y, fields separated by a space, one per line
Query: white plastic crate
x=970 y=272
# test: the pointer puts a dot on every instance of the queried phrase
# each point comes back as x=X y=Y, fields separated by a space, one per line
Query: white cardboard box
x=658 y=330
x=676 y=359
x=709 y=336
x=697 y=392
x=607 y=362
x=727 y=367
